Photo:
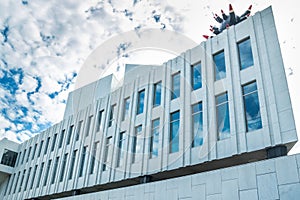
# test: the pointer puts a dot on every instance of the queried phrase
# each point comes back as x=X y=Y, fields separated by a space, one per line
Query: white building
x=207 y=124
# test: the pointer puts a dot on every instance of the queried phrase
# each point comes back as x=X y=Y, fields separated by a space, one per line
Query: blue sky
x=45 y=43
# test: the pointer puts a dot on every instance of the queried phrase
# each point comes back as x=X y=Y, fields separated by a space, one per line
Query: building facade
x=221 y=104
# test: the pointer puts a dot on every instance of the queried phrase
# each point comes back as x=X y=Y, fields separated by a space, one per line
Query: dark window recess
x=9 y=158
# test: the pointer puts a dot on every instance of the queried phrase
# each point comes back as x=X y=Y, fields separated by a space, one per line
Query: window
x=137 y=144
x=140 y=103
x=16 y=183
x=245 y=54
x=197 y=125
x=34 y=150
x=33 y=176
x=251 y=105
x=223 y=124
x=70 y=134
x=61 y=139
x=40 y=149
x=9 y=158
x=72 y=164
x=92 y=164
x=78 y=130
x=47 y=172
x=19 y=158
x=40 y=174
x=54 y=170
x=125 y=108
x=99 y=120
x=107 y=153
x=157 y=94
x=12 y=183
x=82 y=161
x=154 y=140
x=175 y=90
x=22 y=179
x=28 y=155
x=174 y=132
x=27 y=179
x=220 y=67
x=47 y=144
x=111 y=115
x=7 y=185
x=121 y=143
x=53 y=142
x=24 y=154
x=88 y=126
x=63 y=167
x=196 y=76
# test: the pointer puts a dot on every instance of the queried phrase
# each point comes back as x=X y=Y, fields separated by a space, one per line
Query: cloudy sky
x=45 y=43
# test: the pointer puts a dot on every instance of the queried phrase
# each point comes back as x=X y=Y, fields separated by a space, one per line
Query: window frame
x=194 y=114
x=193 y=67
x=171 y=138
x=155 y=94
x=140 y=104
x=244 y=104
x=239 y=52
x=173 y=83
x=216 y=67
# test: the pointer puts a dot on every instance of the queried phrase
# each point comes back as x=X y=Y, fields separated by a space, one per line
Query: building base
x=276 y=178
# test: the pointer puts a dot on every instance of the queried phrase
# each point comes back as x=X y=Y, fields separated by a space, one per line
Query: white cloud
x=3 y=123
x=29 y=84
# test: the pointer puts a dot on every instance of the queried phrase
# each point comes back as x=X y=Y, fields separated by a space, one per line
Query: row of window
x=252 y=111
x=37 y=150
x=252 y=118
x=245 y=58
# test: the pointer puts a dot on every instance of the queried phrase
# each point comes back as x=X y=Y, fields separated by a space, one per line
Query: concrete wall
x=265 y=180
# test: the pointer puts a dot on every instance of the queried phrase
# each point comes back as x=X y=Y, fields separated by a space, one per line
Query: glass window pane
x=220 y=67
x=33 y=176
x=70 y=133
x=63 y=167
x=54 y=170
x=78 y=130
x=245 y=54
x=197 y=126
x=111 y=115
x=93 y=158
x=137 y=148
x=223 y=123
x=252 y=87
x=88 y=126
x=174 y=132
x=252 y=108
x=107 y=153
x=72 y=164
x=121 y=152
x=140 y=105
x=157 y=94
x=61 y=139
x=175 y=86
x=99 y=119
x=46 y=146
x=126 y=108
x=82 y=161
x=53 y=143
x=196 y=76
x=154 y=140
